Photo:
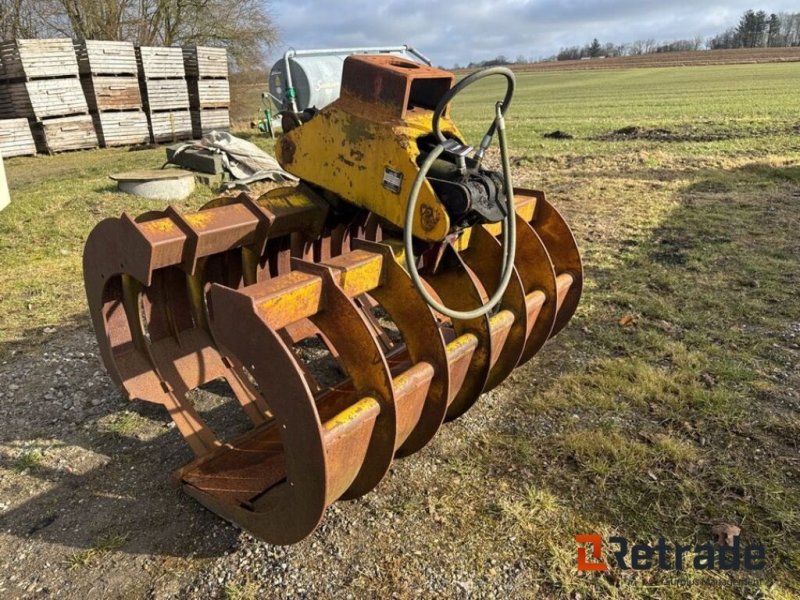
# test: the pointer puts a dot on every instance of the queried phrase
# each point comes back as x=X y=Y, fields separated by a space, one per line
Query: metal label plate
x=392 y=180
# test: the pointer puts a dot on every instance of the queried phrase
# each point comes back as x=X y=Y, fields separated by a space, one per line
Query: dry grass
x=667 y=423
x=101 y=547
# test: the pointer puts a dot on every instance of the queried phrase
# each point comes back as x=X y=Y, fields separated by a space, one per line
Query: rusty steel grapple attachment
x=241 y=288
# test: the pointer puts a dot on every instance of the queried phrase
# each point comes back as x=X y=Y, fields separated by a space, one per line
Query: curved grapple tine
x=275 y=480
x=423 y=341
x=564 y=254
x=351 y=335
x=483 y=256
x=359 y=424
x=539 y=282
x=458 y=287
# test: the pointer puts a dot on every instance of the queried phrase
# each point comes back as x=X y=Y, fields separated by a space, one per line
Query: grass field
x=669 y=405
x=672 y=59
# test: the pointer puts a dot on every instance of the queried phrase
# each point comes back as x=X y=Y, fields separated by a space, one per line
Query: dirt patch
x=658 y=134
x=521 y=161
x=671 y=251
x=558 y=135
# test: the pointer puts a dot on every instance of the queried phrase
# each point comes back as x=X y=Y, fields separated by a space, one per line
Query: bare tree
x=790 y=28
x=244 y=27
x=18 y=19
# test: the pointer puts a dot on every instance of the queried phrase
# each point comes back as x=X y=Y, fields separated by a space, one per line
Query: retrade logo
x=667 y=556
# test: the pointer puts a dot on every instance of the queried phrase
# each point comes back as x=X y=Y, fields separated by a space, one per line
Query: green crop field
x=668 y=406
x=695 y=105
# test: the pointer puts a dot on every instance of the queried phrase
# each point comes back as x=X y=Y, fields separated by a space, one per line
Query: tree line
x=754 y=30
x=245 y=27
x=760 y=30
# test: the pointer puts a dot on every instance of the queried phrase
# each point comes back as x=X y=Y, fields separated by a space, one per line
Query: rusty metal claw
x=239 y=290
x=180 y=300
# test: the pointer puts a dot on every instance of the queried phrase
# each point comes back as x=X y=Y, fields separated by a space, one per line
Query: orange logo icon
x=597 y=552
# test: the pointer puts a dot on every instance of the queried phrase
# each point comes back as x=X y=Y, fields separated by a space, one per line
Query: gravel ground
x=89 y=508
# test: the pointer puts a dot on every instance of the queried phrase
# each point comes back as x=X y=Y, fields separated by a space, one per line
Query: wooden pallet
x=65 y=133
x=170 y=126
x=6 y=108
x=16 y=138
x=204 y=121
x=204 y=62
x=106 y=58
x=43 y=98
x=209 y=93
x=39 y=59
x=112 y=93
x=165 y=94
x=159 y=63
x=121 y=128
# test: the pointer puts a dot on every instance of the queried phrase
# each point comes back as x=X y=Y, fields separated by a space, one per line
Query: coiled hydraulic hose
x=509 y=219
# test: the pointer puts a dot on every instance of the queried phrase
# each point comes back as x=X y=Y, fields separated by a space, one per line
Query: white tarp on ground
x=244 y=160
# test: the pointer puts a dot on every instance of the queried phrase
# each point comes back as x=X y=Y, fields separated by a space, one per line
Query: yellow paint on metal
x=353 y=413
x=502 y=320
x=294 y=209
x=300 y=298
x=526 y=208
x=466 y=339
x=398 y=250
x=461 y=243
x=363 y=277
x=198 y=220
x=284 y=198
x=369 y=158
x=158 y=225
x=194 y=285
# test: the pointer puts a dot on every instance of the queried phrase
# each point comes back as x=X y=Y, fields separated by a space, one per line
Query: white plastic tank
x=316 y=75
x=317 y=80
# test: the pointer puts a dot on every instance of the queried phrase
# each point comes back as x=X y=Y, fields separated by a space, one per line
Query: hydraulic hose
x=466 y=82
x=509 y=220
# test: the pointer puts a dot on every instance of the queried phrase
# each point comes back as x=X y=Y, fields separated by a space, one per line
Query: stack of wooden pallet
x=45 y=89
x=209 y=89
x=6 y=109
x=109 y=77
x=163 y=83
x=15 y=134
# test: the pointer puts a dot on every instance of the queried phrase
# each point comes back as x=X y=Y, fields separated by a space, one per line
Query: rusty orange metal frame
x=231 y=291
x=172 y=312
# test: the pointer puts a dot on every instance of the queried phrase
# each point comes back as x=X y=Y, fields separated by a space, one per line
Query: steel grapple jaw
x=238 y=290
x=173 y=308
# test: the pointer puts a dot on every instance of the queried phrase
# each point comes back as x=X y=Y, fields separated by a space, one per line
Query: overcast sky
x=459 y=32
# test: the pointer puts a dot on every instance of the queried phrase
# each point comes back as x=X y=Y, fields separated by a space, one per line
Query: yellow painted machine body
x=363 y=148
